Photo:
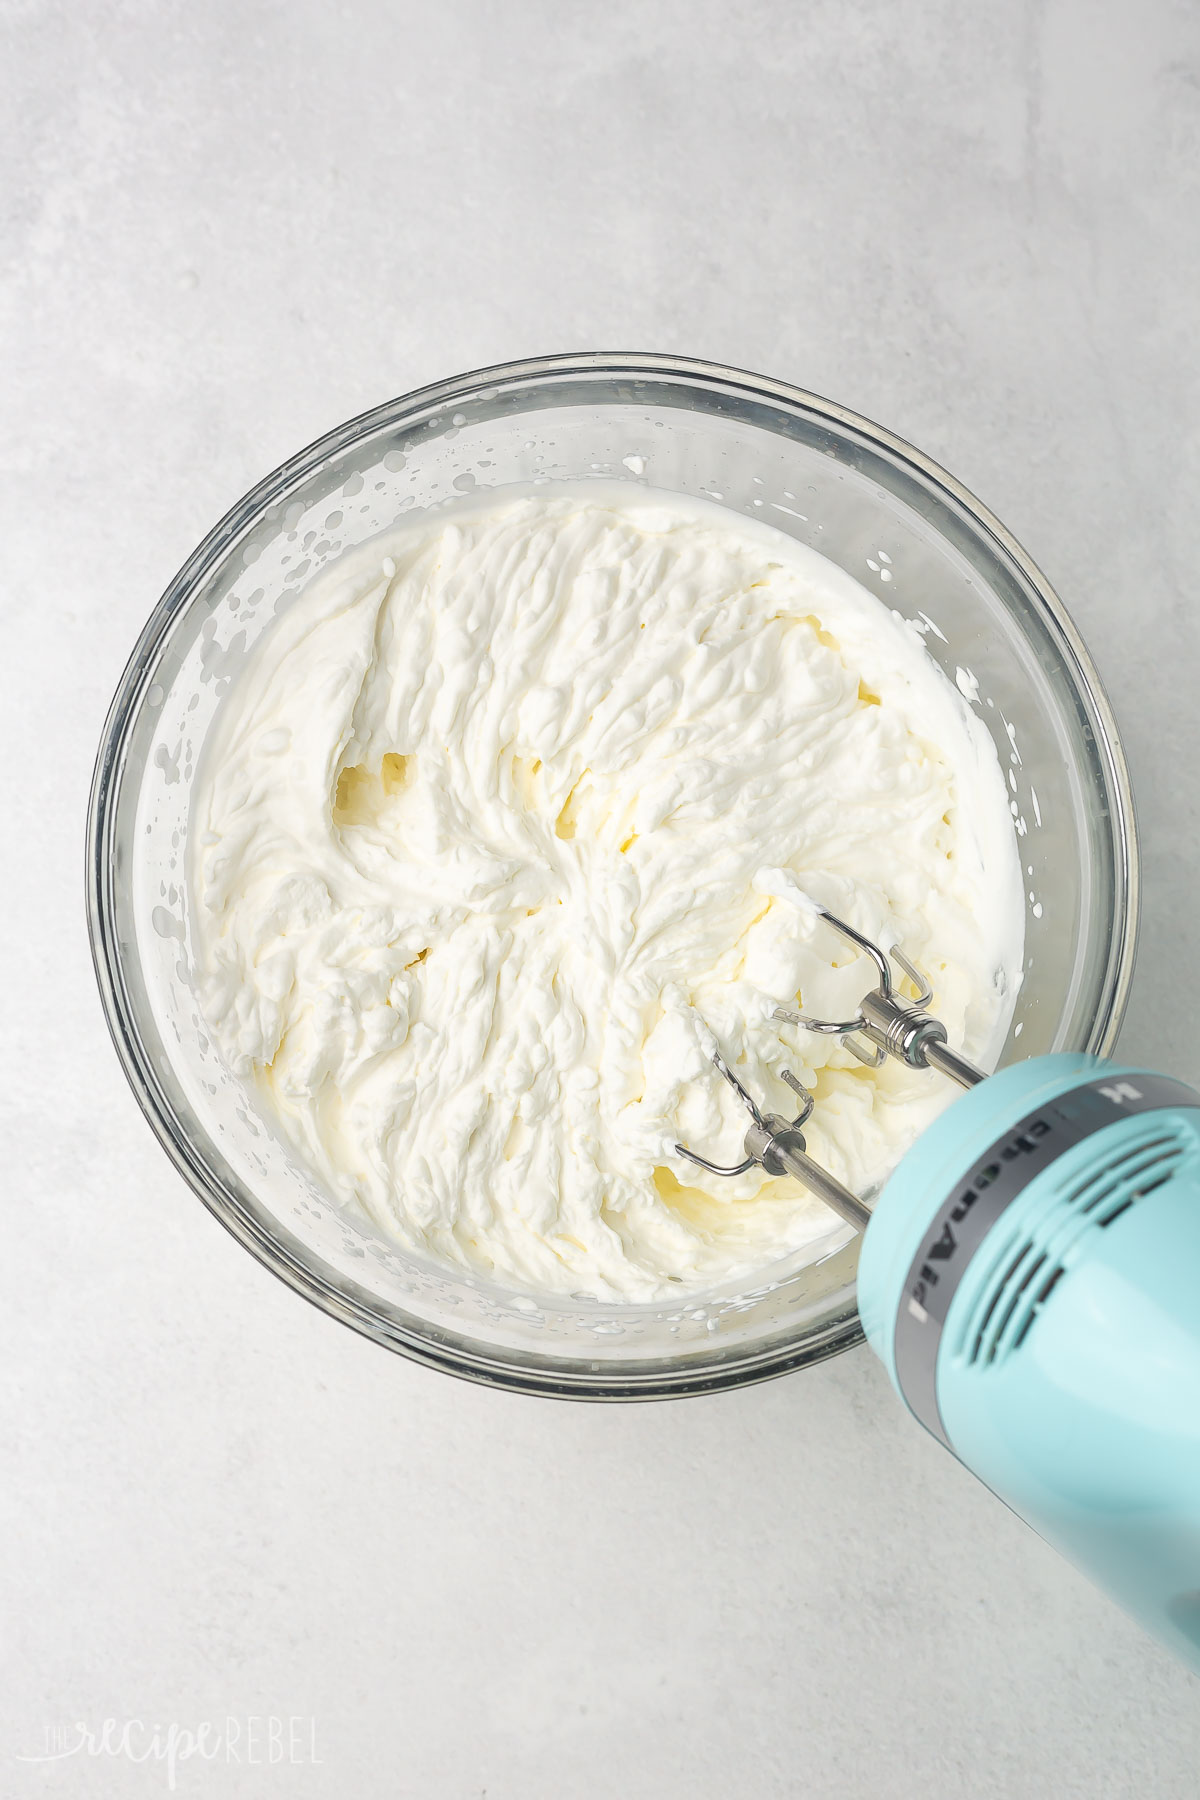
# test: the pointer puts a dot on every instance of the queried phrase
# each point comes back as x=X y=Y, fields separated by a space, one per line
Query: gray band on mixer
x=975 y=1203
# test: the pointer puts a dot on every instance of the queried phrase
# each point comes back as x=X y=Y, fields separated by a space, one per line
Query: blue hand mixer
x=1030 y=1278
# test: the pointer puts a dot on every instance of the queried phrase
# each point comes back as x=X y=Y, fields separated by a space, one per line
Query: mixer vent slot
x=1026 y=1268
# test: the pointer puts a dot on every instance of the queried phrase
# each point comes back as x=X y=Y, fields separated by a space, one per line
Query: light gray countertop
x=228 y=227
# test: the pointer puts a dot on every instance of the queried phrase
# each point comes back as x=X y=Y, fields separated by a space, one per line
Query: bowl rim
x=549 y=1376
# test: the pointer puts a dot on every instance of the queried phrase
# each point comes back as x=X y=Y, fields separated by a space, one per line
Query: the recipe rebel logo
x=261 y=1740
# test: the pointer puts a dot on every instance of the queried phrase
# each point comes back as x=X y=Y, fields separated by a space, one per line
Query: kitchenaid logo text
x=941 y=1248
x=261 y=1739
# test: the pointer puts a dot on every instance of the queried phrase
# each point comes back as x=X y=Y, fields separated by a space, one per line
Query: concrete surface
x=227 y=227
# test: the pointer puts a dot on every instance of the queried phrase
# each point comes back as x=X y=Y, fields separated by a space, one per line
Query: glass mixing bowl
x=859 y=495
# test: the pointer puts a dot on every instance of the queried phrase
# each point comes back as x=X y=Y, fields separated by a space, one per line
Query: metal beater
x=892 y=1026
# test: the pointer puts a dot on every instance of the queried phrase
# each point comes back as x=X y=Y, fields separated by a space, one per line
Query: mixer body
x=1031 y=1279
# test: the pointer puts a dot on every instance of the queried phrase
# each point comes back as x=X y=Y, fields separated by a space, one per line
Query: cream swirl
x=482 y=827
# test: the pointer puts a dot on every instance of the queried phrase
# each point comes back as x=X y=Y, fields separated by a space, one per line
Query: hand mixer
x=1030 y=1278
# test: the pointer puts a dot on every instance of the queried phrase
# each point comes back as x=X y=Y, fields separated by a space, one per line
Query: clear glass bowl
x=884 y=512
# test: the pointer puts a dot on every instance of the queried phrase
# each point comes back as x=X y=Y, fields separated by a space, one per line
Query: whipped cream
x=517 y=806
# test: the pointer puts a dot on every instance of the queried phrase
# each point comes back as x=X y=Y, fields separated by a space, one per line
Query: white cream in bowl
x=500 y=804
